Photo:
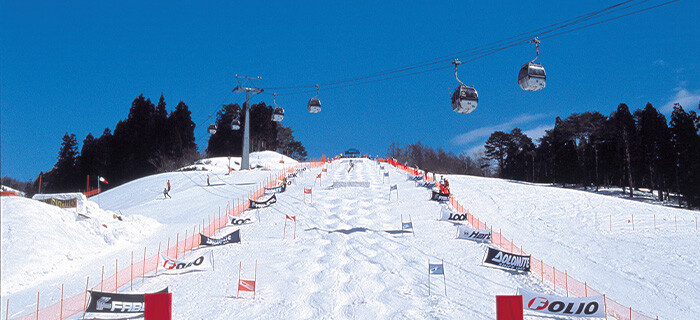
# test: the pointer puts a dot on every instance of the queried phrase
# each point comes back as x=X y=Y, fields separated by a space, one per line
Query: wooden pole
x=87 y=283
x=102 y=280
x=566 y=283
x=177 y=244
x=605 y=306
x=633 y=222
x=131 y=278
x=7 y=309
x=60 y=310
x=585 y=286
x=37 y=305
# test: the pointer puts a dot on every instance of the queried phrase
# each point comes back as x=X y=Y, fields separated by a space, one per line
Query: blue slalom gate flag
x=394 y=187
x=386 y=174
x=436 y=268
x=406 y=225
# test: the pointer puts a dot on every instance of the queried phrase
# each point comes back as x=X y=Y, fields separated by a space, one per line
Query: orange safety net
x=561 y=282
x=55 y=308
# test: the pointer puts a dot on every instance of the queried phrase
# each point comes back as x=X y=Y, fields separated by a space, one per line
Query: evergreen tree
x=497 y=148
x=624 y=128
x=686 y=143
x=65 y=176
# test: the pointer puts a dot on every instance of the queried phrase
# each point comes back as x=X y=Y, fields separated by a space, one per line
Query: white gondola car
x=212 y=129
x=235 y=124
x=532 y=77
x=464 y=99
x=314 y=105
x=278 y=114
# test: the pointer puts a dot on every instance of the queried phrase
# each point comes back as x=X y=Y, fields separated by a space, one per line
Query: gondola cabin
x=314 y=105
x=235 y=124
x=464 y=99
x=212 y=129
x=532 y=77
x=277 y=114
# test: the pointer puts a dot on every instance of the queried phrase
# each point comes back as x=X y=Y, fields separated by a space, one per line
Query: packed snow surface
x=351 y=260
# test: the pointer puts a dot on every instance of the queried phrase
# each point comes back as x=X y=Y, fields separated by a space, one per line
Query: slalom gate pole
x=444 y=281
x=632 y=222
x=255 y=280
x=238 y=285
x=284 y=232
x=157 y=258
x=295 y=232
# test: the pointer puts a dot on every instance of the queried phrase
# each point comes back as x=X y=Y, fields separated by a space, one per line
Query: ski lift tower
x=245 y=157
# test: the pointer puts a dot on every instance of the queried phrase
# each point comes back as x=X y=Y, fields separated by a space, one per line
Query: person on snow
x=166 y=194
x=208 y=184
x=167 y=185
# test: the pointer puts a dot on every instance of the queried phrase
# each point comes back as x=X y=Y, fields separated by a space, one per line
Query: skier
x=166 y=194
x=168 y=185
x=208 y=184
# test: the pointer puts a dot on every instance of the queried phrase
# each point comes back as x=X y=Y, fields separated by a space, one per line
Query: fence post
x=585 y=287
x=554 y=278
x=60 y=310
x=116 y=274
x=7 y=309
x=143 y=267
x=185 y=248
x=167 y=249
x=542 y=269
x=566 y=282
x=102 y=280
x=177 y=244
x=654 y=221
x=610 y=223
x=37 y=305
x=131 y=278
x=605 y=306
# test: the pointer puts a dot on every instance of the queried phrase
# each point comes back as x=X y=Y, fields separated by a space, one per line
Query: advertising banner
x=447 y=215
x=107 y=302
x=507 y=260
x=469 y=233
x=593 y=306
x=204 y=261
x=278 y=189
x=232 y=237
x=262 y=204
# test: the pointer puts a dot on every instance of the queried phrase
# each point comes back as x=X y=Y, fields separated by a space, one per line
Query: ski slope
x=350 y=259
x=654 y=270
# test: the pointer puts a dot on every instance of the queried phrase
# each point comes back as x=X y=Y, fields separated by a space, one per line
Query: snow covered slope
x=41 y=241
x=656 y=271
x=350 y=259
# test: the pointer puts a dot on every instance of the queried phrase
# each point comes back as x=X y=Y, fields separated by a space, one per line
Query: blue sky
x=75 y=67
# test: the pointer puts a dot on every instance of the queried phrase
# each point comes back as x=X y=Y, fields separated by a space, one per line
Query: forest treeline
x=631 y=150
x=152 y=140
